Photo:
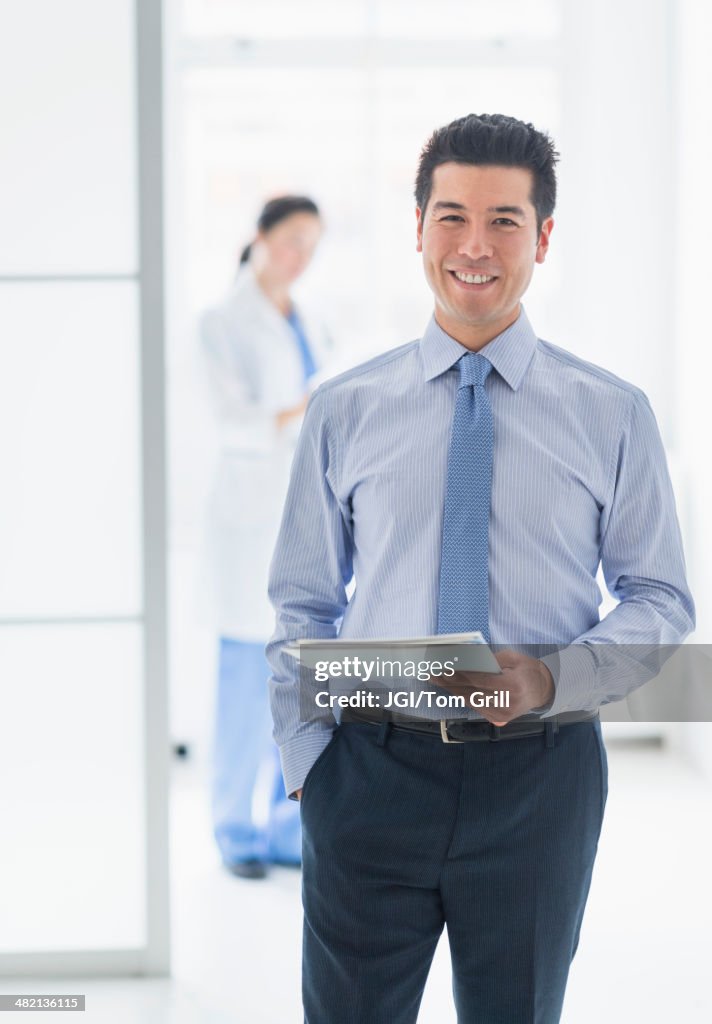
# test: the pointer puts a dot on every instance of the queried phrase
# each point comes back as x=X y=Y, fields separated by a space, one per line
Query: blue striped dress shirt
x=579 y=480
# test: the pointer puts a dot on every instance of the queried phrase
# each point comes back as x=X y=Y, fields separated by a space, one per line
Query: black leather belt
x=463 y=731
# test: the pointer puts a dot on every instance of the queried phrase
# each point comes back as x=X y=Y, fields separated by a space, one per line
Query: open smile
x=472 y=282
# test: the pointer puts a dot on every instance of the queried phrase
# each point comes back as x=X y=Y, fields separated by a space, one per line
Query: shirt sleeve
x=644 y=569
x=311 y=568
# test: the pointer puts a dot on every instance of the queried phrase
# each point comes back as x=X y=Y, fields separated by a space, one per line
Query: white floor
x=646 y=944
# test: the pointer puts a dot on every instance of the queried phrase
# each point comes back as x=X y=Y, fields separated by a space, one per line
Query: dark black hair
x=277 y=210
x=492 y=139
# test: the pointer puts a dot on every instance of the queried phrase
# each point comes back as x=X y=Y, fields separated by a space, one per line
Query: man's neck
x=475 y=336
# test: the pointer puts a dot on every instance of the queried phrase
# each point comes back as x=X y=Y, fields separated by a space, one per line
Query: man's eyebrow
x=444 y=205
x=516 y=210
x=451 y=205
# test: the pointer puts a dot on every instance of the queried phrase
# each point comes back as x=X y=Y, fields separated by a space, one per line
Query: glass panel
x=253 y=134
x=274 y=18
x=414 y=19
x=67 y=151
x=69 y=450
x=71 y=757
x=478 y=19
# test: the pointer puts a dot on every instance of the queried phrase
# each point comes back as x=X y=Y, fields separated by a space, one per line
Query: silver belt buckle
x=444 y=734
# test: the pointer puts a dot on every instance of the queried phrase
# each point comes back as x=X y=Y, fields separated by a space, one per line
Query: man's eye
x=505 y=220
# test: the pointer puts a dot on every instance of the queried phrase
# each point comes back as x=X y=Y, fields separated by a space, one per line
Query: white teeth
x=473 y=278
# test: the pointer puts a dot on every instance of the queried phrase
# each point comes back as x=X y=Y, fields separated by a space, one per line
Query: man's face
x=480 y=221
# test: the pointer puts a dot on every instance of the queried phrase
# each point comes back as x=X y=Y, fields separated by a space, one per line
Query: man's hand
x=527 y=680
x=298 y=794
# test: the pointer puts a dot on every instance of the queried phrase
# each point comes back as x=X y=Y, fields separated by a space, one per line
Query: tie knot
x=474 y=369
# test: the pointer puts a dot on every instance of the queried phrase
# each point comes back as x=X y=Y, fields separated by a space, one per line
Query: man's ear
x=419 y=229
x=543 y=243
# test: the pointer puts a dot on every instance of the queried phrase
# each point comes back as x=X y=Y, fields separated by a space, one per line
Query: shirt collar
x=509 y=352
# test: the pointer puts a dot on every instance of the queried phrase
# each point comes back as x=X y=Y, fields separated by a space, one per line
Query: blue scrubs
x=243 y=744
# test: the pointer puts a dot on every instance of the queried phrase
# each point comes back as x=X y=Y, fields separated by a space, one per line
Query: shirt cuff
x=298 y=755
x=573 y=670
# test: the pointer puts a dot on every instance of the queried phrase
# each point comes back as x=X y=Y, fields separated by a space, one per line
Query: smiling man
x=474 y=479
x=480 y=236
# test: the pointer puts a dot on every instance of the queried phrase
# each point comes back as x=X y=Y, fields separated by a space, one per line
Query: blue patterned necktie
x=463 y=603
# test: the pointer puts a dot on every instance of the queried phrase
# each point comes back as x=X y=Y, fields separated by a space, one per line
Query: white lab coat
x=255 y=371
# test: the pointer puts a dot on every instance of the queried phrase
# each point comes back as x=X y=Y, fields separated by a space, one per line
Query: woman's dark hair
x=492 y=139
x=277 y=210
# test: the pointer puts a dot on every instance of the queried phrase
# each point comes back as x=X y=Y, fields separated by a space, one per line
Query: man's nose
x=475 y=243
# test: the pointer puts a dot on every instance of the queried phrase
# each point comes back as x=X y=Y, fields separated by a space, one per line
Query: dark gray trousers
x=403 y=834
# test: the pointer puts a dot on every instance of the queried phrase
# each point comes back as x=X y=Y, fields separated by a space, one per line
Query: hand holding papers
x=410 y=675
x=393 y=673
x=526 y=683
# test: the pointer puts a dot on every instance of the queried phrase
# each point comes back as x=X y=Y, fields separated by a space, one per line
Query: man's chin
x=471 y=315
x=478 y=316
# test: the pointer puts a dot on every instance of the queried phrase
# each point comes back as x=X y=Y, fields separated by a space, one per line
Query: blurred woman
x=262 y=352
